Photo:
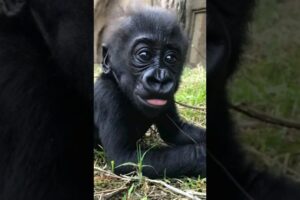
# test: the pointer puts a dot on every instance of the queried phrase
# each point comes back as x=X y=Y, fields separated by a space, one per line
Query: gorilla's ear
x=105 y=59
x=12 y=7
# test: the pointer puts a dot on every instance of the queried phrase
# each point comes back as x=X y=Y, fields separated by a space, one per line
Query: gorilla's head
x=145 y=51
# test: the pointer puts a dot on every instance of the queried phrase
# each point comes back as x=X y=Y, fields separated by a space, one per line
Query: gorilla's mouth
x=157 y=102
x=153 y=102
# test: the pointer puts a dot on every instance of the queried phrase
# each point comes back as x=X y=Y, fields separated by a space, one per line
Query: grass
x=268 y=81
x=191 y=92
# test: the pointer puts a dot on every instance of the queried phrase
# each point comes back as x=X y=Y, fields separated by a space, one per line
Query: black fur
x=45 y=100
x=122 y=118
x=229 y=176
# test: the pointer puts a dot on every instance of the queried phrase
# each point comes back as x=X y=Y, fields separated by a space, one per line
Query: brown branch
x=192 y=107
x=264 y=117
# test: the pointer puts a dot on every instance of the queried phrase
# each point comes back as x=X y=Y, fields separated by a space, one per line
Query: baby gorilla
x=143 y=56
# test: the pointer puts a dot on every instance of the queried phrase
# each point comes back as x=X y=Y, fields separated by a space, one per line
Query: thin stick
x=176 y=190
x=171 y=188
x=110 y=193
x=192 y=107
x=264 y=117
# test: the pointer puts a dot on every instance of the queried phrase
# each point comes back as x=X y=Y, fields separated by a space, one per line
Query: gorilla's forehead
x=154 y=20
x=154 y=24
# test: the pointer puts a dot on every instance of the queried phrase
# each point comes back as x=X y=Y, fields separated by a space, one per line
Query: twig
x=192 y=107
x=171 y=188
x=111 y=174
x=264 y=117
x=110 y=193
x=106 y=171
x=203 y=194
x=176 y=190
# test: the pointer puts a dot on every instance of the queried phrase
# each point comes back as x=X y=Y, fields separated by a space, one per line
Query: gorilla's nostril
x=167 y=87
x=152 y=79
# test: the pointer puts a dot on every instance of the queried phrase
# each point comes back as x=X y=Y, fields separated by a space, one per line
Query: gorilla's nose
x=158 y=81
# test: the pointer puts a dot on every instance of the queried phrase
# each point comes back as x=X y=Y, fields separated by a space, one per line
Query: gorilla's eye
x=144 y=55
x=170 y=58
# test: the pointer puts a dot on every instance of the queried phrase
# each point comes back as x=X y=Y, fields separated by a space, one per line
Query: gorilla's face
x=156 y=68
x=148 y=61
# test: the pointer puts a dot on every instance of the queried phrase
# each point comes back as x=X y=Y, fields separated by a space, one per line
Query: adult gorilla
x=45 y=99
x=143 y=56
x=228 y=172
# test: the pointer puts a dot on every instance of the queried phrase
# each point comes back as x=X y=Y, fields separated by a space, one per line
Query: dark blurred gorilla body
x=46 y=100
x=143 y=56
x=228 y=172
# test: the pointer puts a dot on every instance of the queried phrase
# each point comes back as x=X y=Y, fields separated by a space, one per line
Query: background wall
x=191 y=13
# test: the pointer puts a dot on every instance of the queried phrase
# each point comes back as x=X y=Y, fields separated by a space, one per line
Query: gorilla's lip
x=157 y=102
x=153 y=102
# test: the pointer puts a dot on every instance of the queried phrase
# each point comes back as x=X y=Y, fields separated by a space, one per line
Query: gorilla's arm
x=174 y=130
x=119 y=129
